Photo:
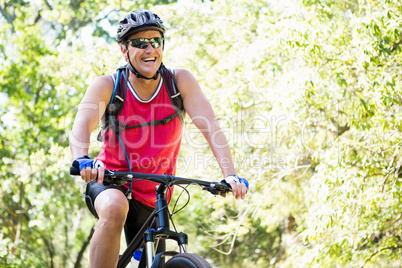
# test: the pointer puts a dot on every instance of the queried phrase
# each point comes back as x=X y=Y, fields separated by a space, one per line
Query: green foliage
x=314 y=91
x=308 y=93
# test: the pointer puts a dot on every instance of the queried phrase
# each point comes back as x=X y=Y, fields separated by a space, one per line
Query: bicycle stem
x=160 y=205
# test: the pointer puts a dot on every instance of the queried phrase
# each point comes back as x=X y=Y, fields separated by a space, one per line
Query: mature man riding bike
x=142 y=106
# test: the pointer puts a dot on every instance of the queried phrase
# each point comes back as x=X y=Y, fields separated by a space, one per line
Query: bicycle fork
x=162 y=227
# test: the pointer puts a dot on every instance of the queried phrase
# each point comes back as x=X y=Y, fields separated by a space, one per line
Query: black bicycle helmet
x=139 y=20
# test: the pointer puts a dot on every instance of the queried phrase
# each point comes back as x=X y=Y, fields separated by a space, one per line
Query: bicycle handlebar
x=119 y=178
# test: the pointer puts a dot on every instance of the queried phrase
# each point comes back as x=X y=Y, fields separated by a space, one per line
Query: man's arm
x=90 y=111
x=201 y=113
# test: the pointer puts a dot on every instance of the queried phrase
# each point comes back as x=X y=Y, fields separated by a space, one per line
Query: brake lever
x=214 y=189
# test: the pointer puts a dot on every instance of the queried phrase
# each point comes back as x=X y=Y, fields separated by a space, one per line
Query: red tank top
x=152 y=149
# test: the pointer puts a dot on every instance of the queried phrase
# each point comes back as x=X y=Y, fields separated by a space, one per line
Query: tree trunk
x=50 y=249
x=83 y=248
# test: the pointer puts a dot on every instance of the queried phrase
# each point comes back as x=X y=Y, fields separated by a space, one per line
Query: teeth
x=149 y=59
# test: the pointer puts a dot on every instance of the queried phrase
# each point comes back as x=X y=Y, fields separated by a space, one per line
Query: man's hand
x=89 y=169
x=239 y=186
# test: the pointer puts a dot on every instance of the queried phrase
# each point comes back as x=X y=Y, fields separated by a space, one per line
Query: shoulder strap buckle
x=166 y=120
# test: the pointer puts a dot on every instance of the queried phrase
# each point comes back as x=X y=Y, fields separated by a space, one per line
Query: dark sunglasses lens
x=139 y=43
x=156 y=42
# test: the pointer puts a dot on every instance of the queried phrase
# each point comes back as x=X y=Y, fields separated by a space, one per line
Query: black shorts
x=138 y=213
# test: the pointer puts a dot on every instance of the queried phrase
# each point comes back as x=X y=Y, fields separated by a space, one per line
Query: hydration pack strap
x=116 y=102
x=173 y=92
x=120 y=126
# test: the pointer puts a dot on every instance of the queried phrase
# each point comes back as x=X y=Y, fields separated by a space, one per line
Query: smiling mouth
x=149 y=59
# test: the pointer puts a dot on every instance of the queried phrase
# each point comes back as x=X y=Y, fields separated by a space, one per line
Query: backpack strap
x=164 y=121
x=116 y=103
x=173 y=92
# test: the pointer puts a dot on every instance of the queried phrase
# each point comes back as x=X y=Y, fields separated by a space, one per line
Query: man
x=148 y=149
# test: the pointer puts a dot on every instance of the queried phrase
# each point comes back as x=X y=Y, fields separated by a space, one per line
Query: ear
x=123 y=50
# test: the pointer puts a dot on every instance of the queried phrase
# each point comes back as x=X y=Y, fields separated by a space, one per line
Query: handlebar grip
x=226 y=184
x=74 y=171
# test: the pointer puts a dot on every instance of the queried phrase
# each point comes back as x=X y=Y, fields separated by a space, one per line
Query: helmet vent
x=139 y=20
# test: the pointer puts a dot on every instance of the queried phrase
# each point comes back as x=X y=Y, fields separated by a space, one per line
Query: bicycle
x=148 y=238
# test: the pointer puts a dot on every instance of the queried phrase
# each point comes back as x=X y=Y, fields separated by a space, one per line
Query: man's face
x=146 y=60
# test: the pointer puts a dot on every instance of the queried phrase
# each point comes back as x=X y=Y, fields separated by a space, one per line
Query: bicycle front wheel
x=187 y=260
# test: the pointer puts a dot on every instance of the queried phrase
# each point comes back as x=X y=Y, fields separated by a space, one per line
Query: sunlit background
x=307 y=92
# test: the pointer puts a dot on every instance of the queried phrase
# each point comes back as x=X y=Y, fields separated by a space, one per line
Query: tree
x=317 y=83
x=45 y=70
x=309 y=94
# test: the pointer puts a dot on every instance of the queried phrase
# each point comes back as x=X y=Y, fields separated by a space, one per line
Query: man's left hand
x=239 y=186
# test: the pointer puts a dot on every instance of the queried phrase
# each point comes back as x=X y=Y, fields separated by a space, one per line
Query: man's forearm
x=220 y=148
x=79 y=141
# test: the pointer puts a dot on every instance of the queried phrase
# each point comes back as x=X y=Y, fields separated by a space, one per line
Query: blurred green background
x=307 y=92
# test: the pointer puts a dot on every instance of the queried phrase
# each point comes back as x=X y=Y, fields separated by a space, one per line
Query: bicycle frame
x=149 y=236
x=160 y=216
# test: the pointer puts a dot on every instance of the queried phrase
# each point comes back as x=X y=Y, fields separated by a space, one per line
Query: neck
x=144 y=88
x=138 y=75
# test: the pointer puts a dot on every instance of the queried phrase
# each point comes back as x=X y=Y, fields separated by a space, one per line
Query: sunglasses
x=143 y=43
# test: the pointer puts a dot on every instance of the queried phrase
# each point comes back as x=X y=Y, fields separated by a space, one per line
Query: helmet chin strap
x=137 y=74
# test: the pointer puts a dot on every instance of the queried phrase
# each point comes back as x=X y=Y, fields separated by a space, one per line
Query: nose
x=149 y=48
